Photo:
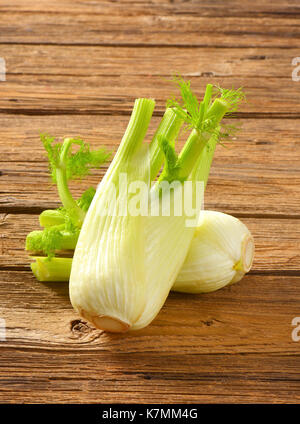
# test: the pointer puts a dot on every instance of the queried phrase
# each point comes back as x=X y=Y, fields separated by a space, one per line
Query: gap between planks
x=86 y=112
x=142 y=45
x=257 y=272
x=29 y=210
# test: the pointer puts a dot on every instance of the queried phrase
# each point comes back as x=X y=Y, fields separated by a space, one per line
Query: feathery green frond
x=52 y=239
x=46 y=241
x=187 y=107
x=231 y=96
x=76 y=165
x=86 y=199
x=205 y=116
x=65 y=165
x=53 y=151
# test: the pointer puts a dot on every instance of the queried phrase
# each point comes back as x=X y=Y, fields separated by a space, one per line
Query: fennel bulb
x=221 y=253
x=124 y=265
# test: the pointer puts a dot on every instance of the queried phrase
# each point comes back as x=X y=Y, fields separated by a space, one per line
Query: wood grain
x=74 y=68
x=47 y=79
x=38 y=376
x=53 y=95
x=209 y=352
x=209 y=8
x=151 y=24
x=113 y=61
x=243 y=318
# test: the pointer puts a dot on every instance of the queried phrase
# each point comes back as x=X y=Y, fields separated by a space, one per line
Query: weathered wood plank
x=106 y=377
x=148 y=61
x=231 y=345
x=53 y=78
x=209 y=8
x=277 y=242
x=154 y=24
x=50 y=94
x=257 y=174
x=246 y=317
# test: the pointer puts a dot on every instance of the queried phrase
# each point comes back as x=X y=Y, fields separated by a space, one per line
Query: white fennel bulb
x=220 y=254
x=122 y=270
x=124 y=265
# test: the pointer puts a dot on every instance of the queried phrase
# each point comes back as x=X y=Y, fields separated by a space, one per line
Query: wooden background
x=75 y=68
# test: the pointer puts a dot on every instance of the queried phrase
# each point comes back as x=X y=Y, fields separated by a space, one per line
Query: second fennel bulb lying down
x=221 y=253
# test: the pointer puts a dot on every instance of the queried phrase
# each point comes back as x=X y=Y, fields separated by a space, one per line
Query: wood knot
x=79 y=328
x=208 y=323
x=207 y=74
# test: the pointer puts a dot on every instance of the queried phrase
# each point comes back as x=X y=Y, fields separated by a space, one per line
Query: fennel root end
x=248 y=253
x=106 y=323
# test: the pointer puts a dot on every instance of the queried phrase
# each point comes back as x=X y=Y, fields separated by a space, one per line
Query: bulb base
x=106 y=323
x=247 y=253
